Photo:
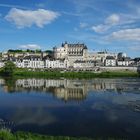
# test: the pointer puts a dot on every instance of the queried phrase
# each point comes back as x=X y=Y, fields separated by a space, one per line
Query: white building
x=84 y=64
x=100 y=56
x=110 y=61
x=2 y=64
x=30 y=62
x=55 y=64
x=71 y=52
x=124 y=61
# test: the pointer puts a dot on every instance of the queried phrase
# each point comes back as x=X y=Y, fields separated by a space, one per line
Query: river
x=83 y=108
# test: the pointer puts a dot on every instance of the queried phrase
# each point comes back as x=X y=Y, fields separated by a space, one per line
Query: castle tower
x=85 y=52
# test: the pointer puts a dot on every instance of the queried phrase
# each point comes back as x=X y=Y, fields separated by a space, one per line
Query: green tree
x=9 y=68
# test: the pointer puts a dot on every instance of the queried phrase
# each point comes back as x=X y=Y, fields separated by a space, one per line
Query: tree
x=9 y=68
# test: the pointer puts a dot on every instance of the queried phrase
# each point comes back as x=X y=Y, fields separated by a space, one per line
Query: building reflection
x=62 y=89
x=70 y=89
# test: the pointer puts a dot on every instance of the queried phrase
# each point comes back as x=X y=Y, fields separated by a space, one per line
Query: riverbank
x=65 y=74
x=24 y=73
x=5 y=135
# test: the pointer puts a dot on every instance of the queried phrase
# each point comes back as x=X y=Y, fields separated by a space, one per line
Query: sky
x=112 y=25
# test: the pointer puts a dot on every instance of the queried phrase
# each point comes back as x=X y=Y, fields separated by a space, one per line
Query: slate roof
x=110 y=57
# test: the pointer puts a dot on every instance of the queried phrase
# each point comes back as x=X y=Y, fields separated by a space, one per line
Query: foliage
x=22 y=51
x=6 y=135
x=49 y=51
x=68 y=74
x=14 y=51
x=9 y=69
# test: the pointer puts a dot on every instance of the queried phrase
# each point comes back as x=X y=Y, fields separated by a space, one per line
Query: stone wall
x=119 y=68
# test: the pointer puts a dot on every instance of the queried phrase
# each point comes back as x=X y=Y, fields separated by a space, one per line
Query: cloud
x=112 y=19
x=12 y=6
x=27 y=18
x=108 y=23
x=100 y=28
x=30 y=46
x=117 y=22
x=125 y=35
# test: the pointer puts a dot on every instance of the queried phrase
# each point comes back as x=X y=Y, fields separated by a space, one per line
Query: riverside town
x=70 y=57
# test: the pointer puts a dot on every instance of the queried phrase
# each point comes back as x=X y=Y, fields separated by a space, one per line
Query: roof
x=80 y=61
x=124 y=59
x=110 y=57
x=32 y=57
x=75 y=45
x=48 y=57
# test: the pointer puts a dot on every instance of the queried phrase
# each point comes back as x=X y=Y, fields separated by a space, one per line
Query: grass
x=58 y=74
x=6 y=135
x=24 y=73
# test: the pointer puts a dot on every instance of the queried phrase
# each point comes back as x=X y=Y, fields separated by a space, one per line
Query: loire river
x=89 y=108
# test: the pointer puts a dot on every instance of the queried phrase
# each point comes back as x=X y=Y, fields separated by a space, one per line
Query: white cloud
x=12 y=6
x=108 y=23
x=125 y=35
x=100 y=28
x=30 y=46
x=112 y=19
x=27 y=18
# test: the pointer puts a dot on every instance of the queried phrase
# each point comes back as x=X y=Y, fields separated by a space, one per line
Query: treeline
x=28 y=50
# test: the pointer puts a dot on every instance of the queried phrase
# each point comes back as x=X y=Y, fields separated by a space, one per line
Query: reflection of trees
x=10 y=85
x=119 y=90
x=138 y=70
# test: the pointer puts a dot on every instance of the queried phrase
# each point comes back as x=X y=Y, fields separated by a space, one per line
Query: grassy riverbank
x=59 y=74
x=5 y=135
x=24 y=73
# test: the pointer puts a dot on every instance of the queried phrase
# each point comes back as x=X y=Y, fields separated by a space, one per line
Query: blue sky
x=112 y=25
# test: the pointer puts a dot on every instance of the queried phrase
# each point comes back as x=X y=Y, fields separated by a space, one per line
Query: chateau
x=71 y=52
x=67 y=56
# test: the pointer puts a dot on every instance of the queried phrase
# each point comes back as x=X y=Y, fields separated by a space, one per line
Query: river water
x=99 y=108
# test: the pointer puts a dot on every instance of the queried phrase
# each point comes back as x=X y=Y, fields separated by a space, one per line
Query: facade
x=60 y=64
x=124 y=61
x=100 y=56
x=84 y=64
x=71 y=52
x=1 y=64
x=30 y=62
x=110 y=61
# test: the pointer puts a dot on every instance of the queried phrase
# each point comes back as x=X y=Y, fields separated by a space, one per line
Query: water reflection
x=71 y=89
x=93 y=108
